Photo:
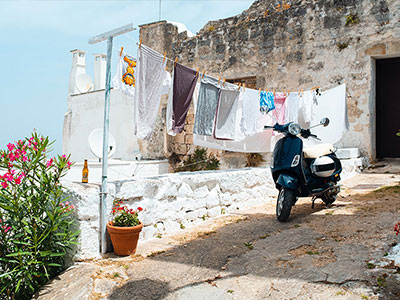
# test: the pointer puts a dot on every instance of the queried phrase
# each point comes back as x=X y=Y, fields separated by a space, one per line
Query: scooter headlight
x=294 y=129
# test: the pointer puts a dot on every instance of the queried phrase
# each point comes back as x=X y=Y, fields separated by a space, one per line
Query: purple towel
x=184 y=83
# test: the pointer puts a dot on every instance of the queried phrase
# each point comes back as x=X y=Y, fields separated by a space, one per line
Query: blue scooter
x=297 y=172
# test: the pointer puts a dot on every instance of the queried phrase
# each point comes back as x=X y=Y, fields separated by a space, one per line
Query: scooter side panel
x=284 y=153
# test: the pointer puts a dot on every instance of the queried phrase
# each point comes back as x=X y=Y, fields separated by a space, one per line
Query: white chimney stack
x=79 y=81
x=100 y=64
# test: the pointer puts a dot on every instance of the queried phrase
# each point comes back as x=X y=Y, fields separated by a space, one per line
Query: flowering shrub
x=123 y=216
x=36 y=223
x=397 y=228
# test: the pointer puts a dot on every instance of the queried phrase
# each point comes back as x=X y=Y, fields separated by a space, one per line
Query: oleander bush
x=36 y=222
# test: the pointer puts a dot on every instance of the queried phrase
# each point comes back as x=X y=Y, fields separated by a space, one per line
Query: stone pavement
x=321 y=253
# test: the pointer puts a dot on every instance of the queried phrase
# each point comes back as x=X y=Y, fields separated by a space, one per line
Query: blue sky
x=35 y=43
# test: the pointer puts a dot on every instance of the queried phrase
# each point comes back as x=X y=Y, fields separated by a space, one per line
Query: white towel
x=226 y=114
x=331 y=104
x=150 y=80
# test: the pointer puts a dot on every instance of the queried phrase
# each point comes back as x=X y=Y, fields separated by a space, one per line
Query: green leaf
x=19 y=253
x=18 y=285
x=54 y=265
x=57 y=254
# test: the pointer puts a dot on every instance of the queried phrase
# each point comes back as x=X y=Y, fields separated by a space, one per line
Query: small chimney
x=100 y=64
x=78 y=70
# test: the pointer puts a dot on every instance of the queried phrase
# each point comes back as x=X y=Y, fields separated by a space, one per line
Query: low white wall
x=174 y=200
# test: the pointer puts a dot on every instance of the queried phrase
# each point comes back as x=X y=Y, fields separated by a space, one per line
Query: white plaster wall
x=172 y=200
x=86 y=113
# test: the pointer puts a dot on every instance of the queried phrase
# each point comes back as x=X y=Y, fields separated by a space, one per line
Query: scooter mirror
x=324 y=122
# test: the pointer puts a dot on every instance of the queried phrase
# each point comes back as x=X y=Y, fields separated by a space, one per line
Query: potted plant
x=124 y=228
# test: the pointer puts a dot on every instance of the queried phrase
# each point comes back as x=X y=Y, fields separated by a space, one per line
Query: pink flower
x=49 y=163
x=24 y=158
x=7 y=229
x=18 y=179
x=63 y=156
x=11 y=157
x=69 y=164
x=10 y=147
x=4 y=185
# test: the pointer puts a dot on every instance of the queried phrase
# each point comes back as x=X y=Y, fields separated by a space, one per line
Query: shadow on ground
x=317 y=246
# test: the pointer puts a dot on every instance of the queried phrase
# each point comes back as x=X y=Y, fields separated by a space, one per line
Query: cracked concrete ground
x=321 y=253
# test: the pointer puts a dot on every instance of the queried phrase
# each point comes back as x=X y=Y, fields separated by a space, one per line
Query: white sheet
x=259 y=142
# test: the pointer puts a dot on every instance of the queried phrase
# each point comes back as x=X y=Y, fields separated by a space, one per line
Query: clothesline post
x=109 y=35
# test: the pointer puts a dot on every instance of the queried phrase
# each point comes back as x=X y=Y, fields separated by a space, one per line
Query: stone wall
x=298 y=46
x=175 y=201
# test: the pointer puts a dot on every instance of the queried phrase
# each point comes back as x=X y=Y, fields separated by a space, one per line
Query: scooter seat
x=318 y=150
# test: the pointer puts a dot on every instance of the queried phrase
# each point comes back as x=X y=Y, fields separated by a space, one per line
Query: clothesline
x=226 y=116
x=201 y=74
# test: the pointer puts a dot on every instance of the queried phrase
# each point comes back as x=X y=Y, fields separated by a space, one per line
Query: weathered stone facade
x=292 y=47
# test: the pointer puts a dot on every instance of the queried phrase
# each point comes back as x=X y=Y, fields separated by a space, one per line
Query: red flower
x=139 y=208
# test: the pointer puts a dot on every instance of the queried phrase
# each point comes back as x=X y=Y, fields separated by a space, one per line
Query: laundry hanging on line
x=124 y=79
x=234 y=120
x=150 y=84
x=184 y=82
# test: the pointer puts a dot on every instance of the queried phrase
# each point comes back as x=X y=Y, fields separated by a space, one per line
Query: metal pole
x=104 y=192
x=104 y=163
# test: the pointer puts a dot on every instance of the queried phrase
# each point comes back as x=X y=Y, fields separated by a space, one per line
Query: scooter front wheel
x=284 y=204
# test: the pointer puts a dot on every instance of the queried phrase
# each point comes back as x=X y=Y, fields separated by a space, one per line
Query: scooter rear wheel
x=284 y=204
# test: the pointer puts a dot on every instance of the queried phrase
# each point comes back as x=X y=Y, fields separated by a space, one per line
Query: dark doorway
x=387 y=107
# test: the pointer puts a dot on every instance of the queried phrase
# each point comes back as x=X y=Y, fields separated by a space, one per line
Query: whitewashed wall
x=86 y=113
x=173 y=200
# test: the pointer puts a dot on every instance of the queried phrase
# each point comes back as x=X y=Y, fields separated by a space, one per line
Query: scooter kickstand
x=313 y=201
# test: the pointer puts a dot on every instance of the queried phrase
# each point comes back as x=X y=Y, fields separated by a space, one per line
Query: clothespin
x=259 y=91
x=274 y=92
x=223 y=83
x=120 y=53
x=197 y=72
x=166 y=67
x=285 y=92
x=301 y=92
x=165 y=56
x=204 y=73
x=244 y=87
x=176 y=60
x=140 y=43
x=239 y=86
x=219 y=79
x=288 y=92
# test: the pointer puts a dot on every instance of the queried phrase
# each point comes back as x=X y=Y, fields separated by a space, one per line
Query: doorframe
x=372 y=102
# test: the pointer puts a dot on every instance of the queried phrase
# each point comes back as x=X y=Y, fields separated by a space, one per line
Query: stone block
x=378 y=49
x=180 y=138
x=185 y=190
x=213 y=198
x=189 y=129
x=180 y=149
x=214 y=212
x=189 y=139
x=190 y=119
x=348 y=153
x=201 y=212
x=201 y=192
x=167 y=190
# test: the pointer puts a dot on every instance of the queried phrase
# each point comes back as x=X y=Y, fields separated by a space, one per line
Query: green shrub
x=199 y=161
x=36 y=221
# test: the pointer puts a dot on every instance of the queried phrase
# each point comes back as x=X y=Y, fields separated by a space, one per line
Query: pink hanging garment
x=279 y=112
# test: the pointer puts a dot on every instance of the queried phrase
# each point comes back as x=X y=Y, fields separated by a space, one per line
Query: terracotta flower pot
x=124 y=239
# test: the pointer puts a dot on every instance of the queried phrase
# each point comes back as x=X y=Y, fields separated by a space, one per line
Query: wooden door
x=387 y=107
